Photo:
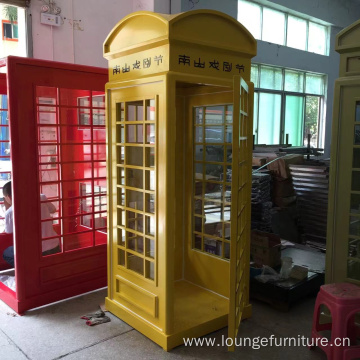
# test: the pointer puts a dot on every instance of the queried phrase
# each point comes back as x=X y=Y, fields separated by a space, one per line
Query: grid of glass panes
x=281 y=28
x=98 y=113
x=5 y=162
x=212 y=148
x=302 y=94
x=136 y=195
x=72 y=167
x=354 y=228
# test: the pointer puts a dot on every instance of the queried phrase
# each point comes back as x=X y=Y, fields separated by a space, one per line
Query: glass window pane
x=134 y=178
x=135 y=263
x=355 y=183
x=357 y=111
x=150 y=225
x=150 y=270
x=269 y=119
x=213 y=246
x=270 y=78
x=255 y=121
x=150 y=134
x=294 y=117
x=198 y=115
x=356 y=158
x=15 y=31
x=135 y=111
x=150 y=203
x=312 y=114
x=229 y=114
x=214 y=134
x=273 y=26
x=214 y=115
x=4 y=103
x=150 y=110
x=149 y=157
x=214 y=172
x=314 y=84
x=357 y=135
x=214 y=153
x=134 y=156
x=121 y=257
x=296 y=33
x=294 y=81
x=354 y=245
x=254 y=77
x=134 y=134
x=134 y=199
x=353 y=269
x=198 y=134
x=150 y=248
x=355 y=204
x=249 y=15
x=317 y=38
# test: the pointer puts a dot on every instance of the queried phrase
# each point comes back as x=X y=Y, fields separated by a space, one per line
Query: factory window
x=10 y=30
x=280 y=27
x=291 y=106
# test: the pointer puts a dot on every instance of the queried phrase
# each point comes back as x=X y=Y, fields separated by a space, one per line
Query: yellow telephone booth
x=179 y=127
x=343 y=229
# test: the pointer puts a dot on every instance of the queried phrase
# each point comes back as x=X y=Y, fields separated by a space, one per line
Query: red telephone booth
x=54 y=145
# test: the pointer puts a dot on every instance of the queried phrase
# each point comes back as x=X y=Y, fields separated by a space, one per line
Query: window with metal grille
x=281 y=27
x=288 y=104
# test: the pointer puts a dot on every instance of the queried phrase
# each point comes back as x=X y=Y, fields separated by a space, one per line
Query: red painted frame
x=41 y=279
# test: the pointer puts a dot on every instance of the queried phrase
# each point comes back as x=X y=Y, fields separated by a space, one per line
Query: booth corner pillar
x=343 y=224
x=174 y=270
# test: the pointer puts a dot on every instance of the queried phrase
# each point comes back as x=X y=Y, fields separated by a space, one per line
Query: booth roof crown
x=144 y=30
x=348 y=39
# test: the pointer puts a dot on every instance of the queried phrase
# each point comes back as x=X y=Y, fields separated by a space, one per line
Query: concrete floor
x=57 y=332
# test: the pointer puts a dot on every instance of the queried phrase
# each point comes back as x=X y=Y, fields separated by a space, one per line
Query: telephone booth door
x=58 y=152
x=135 y=212
x=239 y=307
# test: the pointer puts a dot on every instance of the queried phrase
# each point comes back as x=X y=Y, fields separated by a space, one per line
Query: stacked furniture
x=261 y=201
x=311 y=184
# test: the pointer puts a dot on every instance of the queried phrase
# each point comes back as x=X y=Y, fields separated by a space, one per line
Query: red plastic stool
x=343 y=301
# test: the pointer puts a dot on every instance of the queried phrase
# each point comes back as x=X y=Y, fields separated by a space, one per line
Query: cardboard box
x=264 y=239
x=282 y=188
x=281 y=166
x=258 y=161
x=266 y=256
x=265 y=248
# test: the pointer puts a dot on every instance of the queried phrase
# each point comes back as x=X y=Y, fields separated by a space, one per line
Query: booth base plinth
x=197 y=312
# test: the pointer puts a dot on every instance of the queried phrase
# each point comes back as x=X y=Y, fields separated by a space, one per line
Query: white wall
x=86 y=24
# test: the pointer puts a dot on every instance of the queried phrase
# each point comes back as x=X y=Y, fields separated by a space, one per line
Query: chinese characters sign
x=214 y=64
x=138 y=64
